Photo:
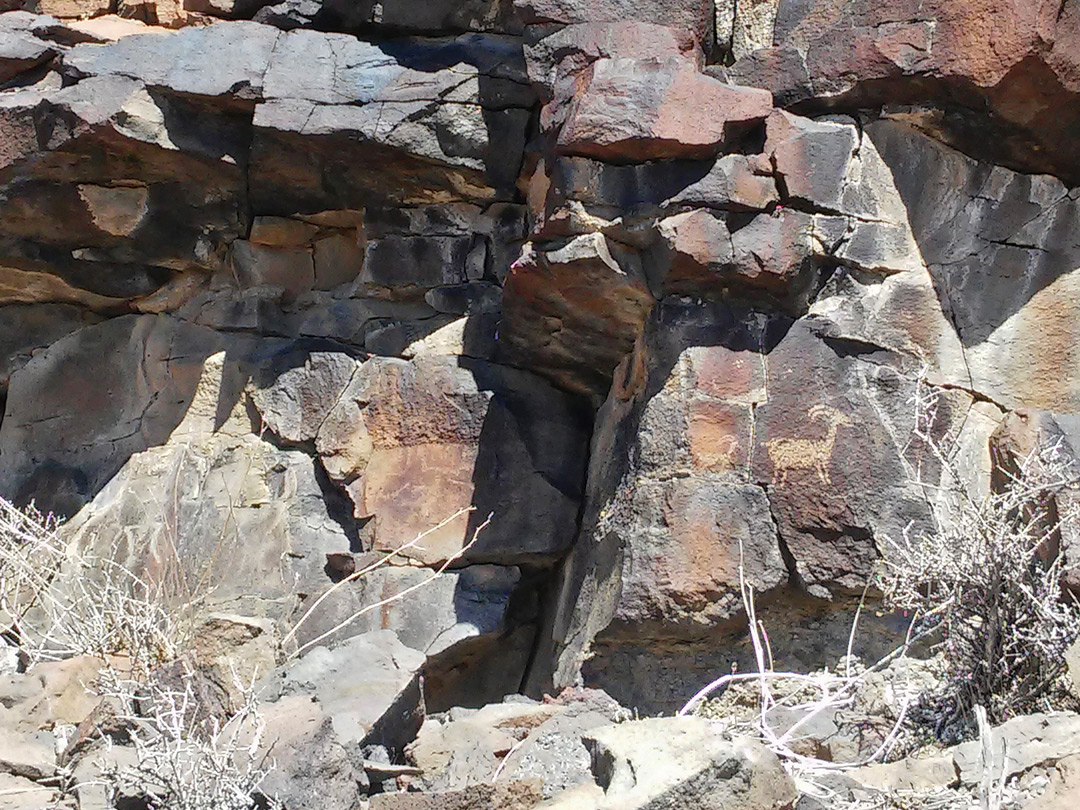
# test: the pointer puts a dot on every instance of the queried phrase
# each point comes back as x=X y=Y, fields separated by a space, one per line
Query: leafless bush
x=102 y=609
x=985 y=573
x=185 y=760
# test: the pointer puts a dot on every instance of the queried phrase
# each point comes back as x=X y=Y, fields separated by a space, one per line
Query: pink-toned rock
x=649 y=109
x=1011 y=70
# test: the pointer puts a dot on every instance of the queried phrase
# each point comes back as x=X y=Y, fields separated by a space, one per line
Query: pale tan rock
x=1063 y=789
x=117 y=210
x=909 y=774
x=64 y=696
x=22 y=755
x=640 y=762
x=347 y=218
x=79 y=9
x=111 y=27
x=19 y=793
x=281 y=232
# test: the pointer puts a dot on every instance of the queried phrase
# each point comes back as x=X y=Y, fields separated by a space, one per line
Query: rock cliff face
x=652 y=283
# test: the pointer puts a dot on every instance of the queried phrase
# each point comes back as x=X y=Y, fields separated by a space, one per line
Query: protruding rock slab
x=368 y=686
x=573 y=313
x=685 y=762
x=1008 y=94
x=637 y=110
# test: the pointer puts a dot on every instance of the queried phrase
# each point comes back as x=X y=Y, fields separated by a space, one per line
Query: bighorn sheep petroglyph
x=789 y=454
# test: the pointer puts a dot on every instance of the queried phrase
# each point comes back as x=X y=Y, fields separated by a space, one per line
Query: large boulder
x=493 y=438
x=1002 y=251
x=1007 y=93
x=76 y=412
x=646 y=109
x=735 y=448
x=574 y=311
x=369 y=687
x=682 y=761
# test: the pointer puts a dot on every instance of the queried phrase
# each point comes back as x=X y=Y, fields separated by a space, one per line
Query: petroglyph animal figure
x=789 y=454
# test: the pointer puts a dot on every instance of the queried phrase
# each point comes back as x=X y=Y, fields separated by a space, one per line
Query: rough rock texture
x=284 y=285
x=676 y=762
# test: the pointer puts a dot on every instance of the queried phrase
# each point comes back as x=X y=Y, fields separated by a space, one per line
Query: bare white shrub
x=986 y=574
x=102 y=609
x=185 y=760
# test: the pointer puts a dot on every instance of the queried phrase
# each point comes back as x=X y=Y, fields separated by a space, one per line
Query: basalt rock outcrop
x=285 y=285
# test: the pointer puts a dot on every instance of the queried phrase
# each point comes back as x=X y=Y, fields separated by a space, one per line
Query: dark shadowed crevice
x=795 y=579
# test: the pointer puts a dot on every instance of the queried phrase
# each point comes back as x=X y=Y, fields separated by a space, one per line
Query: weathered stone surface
x=1022 y=87
x=25 y=329
x=1028 y=741
x=20 y=49
x=51 y=693
x=22 y=755
x=213 y=61
x=930 y=773
x=1064 y=782
x=281 y=198
x=312 y=763
x=257 y=533
x=441 y=15
x=683 y=761
x=452 y=128
x=368 y=687
x=691 y=15
x=500 y=796
x=432 y=617
x=108 y=414
x=1002 y=253
x=466 y=747
x=638 y=110
x=296 y=394
x=735 y=182
x=24 y=794
x=502 y=441
x=727 y=439
x=555 y=58
x=574 y=312
x=521 y=740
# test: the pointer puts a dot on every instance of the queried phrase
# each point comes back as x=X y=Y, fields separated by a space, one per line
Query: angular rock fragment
x=573 y=312
x=638 y=110
x=367 y=686
x=683 y=761
x=695 y=16
x=313 y=765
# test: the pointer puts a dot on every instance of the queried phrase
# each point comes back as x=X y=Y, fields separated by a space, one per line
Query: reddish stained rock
x=651 y=109
x=573 y=313
x=773 y=255
x=560 y=55
x=414 y=442
x=693 y=252
x=1006 y=72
